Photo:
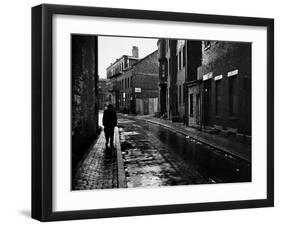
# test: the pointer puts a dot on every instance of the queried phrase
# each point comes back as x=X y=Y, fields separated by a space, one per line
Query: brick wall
x=148 y=65
x=143 y=75
x=221 y=58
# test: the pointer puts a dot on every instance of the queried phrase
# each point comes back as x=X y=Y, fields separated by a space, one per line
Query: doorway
x=207 y=102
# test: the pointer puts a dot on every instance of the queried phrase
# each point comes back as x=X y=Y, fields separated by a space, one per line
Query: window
x=191 y=105
x=233 y=100
x=218 y=97
x=126 y=63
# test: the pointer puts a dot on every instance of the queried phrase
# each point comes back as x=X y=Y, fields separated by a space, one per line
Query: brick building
x=171 y=77
x=84 y=94
x=138 y=86
x=178 y=61
x=193 y=59
x=133 y=83
x=206 y=84
x=116 y=69
x=225 y=86
x=103 y=93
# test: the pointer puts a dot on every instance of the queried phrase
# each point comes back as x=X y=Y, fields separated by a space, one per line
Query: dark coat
x=109 y=119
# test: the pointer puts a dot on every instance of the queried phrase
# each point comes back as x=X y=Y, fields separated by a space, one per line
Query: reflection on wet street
x=156 y=156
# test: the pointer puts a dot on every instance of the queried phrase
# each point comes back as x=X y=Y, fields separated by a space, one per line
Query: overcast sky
x=111 y=48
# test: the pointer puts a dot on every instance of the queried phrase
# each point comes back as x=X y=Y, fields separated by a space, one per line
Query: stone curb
x=122 y=182
x=237 y=155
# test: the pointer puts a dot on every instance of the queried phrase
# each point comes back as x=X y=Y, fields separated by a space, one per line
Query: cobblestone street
x=150 y=155
x=155 y=155
x=149 y=162
x=98 y=170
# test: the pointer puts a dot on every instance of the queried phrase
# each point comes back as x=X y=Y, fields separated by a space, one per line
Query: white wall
x=15 y=112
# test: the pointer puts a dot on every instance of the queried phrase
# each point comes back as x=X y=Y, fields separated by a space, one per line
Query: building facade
x=84 y=94
x=138 y=86
x=225 y=86
x=122 y=63
x=178 y=61
x=171 y=78
x=206 y=84
x=103 y=93
x=192 y=95
x=116 y=69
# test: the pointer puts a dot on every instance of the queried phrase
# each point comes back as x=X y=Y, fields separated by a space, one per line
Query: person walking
x=109 y=121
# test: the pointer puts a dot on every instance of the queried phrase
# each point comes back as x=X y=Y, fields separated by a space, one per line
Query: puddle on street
x=211 y=163
x=147 y=166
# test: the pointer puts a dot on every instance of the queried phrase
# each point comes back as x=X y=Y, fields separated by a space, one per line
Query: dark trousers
x=109 y=134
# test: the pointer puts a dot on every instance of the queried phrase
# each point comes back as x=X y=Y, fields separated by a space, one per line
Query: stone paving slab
x=98 y=170
x=149 y=163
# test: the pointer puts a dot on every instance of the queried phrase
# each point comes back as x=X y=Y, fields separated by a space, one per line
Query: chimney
x=135 y=52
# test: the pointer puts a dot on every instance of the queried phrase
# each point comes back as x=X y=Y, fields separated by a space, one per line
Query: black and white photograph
x=152 y=112
x=144 y=112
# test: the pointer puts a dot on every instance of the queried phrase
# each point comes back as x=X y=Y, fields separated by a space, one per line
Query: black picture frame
x=42 y=107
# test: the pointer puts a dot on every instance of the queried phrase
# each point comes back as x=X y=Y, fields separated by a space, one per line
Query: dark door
x=207 y=102
x=145 y=106
x=197 y=114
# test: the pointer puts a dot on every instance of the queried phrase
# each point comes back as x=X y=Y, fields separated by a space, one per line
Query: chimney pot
x=135 y=52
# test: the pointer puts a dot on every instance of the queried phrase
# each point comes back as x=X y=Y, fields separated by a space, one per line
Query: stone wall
x=84 y=94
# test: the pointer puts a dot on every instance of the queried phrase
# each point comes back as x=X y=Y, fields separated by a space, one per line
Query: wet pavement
x=152 y=155
x=149 y=162
x=236 y=145
x=156 y=156
x=98 y=169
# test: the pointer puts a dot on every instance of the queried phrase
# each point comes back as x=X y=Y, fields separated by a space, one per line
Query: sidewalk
x=229 y=145
x=100 y=168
